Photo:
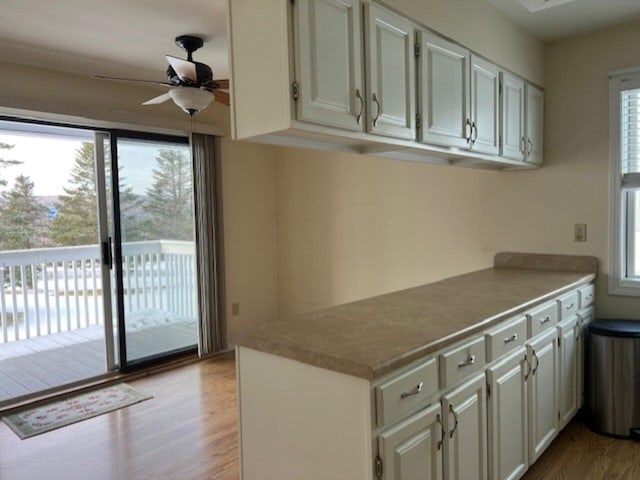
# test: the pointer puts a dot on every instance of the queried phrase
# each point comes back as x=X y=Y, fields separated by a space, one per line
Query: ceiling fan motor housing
x=204 y=73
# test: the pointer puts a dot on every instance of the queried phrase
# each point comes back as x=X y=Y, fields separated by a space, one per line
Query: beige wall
x=351 y=226
x=480 y=27
x=247 y=170
x=538 y=210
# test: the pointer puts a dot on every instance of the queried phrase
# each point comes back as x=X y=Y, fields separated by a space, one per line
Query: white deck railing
x=51 y=290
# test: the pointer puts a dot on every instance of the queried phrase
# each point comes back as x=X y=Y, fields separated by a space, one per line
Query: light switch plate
x=580 y=232
x=235 y=309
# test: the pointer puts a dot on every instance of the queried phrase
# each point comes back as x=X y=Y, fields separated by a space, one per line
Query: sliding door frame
x=124 y=363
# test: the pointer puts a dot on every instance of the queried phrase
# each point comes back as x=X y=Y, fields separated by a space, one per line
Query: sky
x=48 y=160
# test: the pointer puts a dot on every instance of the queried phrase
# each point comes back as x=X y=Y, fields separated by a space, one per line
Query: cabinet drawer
x=461 y=361
x=406 y=393
x=568 y=304
x=587 y=294
x=505 y=338
x=542 y=318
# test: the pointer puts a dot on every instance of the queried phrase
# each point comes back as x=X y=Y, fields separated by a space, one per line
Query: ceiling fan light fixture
x=190 y=99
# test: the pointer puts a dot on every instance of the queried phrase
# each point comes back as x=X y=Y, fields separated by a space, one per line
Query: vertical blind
x=630 y=137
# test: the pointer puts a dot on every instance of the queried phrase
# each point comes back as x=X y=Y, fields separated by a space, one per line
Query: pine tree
x=23 y=219
x=170 y=198
x=76 y=220
x=6 y=162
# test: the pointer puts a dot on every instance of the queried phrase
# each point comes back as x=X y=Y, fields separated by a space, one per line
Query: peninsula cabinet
x=354 y=76
x=485 y=406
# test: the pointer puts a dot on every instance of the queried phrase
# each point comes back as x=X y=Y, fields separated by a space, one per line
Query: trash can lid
x=616 y=328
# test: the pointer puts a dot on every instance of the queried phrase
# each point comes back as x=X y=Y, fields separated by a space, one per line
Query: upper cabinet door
x=535 y=125
x=513 y=140
x=329 y=63
x=443 y=88
x=485 y=106
x=390 y=74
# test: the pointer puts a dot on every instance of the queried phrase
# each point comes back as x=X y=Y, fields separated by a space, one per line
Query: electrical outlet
x=580 y=232
x=235 y=309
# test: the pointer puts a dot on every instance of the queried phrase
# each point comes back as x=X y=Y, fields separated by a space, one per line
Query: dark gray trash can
x=613 y=377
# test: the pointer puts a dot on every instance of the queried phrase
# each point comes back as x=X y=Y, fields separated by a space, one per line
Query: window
x=625 y=176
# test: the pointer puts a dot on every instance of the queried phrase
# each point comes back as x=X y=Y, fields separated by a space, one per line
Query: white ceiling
x=571 y=18
x=130 y=37
x=116 y=37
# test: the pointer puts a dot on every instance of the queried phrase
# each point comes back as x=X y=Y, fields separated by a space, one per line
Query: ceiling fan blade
x=131 y=80
x=185 y=69
x=160 y=99
x=222 y=97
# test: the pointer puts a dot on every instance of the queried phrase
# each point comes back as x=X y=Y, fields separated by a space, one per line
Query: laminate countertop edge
x=285 y=345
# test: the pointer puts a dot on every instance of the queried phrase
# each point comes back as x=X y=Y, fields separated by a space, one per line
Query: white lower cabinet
x=568 y=332
x=465 y=440
x=411 y=450
x=585 y=318
x=543 y=392
x=508 y=416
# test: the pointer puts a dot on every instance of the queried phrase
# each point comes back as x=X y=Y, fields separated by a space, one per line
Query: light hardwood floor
x=189 y=431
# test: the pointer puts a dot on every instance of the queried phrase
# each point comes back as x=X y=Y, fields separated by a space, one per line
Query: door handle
x=537 y=361
x=107 y=257
x=526 y=375
x=512 y=338
x=469 y=361
x=455 y=418
x=411 y=393
x=474 y=133
x=359 y=97
x=378 y=109
x=470 y=125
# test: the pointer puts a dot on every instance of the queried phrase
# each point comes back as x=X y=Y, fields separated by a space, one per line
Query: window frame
x=622 y=209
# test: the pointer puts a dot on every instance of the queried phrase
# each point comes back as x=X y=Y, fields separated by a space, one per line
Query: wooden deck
x=40 y=364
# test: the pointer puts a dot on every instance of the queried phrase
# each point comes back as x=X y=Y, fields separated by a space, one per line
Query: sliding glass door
x=154 y=246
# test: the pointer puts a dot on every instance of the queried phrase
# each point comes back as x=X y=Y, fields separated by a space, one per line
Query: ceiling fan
x=191 y=84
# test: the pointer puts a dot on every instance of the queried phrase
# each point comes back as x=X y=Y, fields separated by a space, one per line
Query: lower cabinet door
x=508 y=417
x=586 y=317
x=542 y=392
x=568 y=332
x=412 y=450
x=465 y=440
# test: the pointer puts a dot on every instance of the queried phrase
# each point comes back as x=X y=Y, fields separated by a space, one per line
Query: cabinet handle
x=474 y=133
x=512 y=338
x=378 y=109
x=359 y=97
x=530 y=146
x=411 y=393
x=455 y=418
x=546 y=319
x=526 y=375
x=469 y=361
x=580 y=325
x=570 y=306
x=470 y=125
x=443 y=431
x=537 y=361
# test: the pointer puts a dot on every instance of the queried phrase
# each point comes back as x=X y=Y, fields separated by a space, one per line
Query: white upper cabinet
x=390 y=73
x=485 y=106
x=534 y=131
x=513 y=140
x=443 y=83
x=328 y=51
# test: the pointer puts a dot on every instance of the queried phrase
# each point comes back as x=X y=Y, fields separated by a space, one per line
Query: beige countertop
x=369 y=338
